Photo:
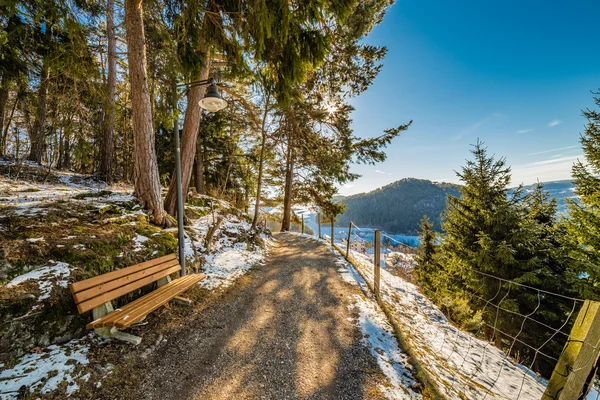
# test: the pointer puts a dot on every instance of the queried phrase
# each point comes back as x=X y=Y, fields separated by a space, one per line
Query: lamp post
x=212 y=101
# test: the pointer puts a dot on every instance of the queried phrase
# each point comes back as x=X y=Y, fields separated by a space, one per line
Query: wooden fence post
x=574 y=372
x=319 y=222
x=332 y=232
x=348 y=244
x=303 y=224
x=377 y=255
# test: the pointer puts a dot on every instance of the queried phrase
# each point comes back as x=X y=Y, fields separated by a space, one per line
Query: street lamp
x=213 y=102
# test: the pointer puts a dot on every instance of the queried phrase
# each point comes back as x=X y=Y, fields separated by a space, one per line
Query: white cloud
x=554 y=160
x=525 y=131
x=554 y=122
x=474 y=127
x=380 y=172
x=545 y=170
x=348 y=186
x=552 y=150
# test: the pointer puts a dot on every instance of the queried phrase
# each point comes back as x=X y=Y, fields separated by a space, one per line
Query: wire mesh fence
x=509 y=352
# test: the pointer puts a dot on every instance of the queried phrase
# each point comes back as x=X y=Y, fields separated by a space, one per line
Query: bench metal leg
x=163 y=281
x=99 y=312
x=112 y=332
x=126 y=337
x=179 y=300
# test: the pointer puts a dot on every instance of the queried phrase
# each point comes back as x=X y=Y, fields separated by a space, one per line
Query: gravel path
x=285 y=332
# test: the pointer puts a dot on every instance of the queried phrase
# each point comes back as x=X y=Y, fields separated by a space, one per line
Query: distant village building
x=355 y=245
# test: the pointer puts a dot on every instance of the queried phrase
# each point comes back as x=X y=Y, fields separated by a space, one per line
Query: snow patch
x=462 y=364
x=382 y=344
x=139 y=241
x=45 y=371
x=224 y=268
x=46 y=278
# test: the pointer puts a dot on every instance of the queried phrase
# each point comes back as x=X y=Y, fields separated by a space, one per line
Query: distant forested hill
x=399 y=206
x=561 y=190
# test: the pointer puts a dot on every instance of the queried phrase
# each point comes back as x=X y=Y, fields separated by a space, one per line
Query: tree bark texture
x=289 y=177
x=4 y=138
x=3 y=101
x=189 y=138
x=39 y=128
x=145 y=170
x=107 y=150
x=263 y=143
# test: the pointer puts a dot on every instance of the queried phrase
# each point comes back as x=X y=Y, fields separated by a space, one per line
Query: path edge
x=420 y=372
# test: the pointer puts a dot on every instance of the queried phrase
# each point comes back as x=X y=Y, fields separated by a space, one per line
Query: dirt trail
x=286 y=333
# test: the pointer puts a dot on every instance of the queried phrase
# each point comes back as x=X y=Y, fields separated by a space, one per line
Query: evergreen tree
x=426 y=267
x=146 y=177
x=482 y=224
x=584 y=223
x=494 y=237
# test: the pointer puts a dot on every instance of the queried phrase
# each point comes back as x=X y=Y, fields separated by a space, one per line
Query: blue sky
x=515 y=74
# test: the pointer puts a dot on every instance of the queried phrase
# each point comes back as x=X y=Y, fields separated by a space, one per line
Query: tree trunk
x=4 y=138
x=189 y=137
x=3 y=101
x=200 y=188
x=261 y=163
x=287 y=200
x=105 y=171
x=61 y=149
x=39 y=127
x=66 y=162
x=145 y=168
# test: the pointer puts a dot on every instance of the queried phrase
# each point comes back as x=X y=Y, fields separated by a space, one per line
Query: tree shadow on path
x=286 y=333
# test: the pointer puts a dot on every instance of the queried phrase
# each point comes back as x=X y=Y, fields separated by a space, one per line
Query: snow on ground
x=139 y=241
x=46 y=278
x=228 y=259
x=27 y=197
x=46 y=371
x=223 y=268
x=378 y=336
x=461 y=364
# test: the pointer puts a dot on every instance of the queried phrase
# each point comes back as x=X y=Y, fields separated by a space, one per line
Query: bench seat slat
x=113 y=294
x=117 y=283
x=132 y=316
x=134 y=311
x=100 y=279
x=109 y=319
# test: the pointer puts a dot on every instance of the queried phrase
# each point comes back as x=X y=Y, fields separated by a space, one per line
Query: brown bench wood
x=97 y=293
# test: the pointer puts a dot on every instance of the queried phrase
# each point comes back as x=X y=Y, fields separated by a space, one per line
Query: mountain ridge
x=399 y=206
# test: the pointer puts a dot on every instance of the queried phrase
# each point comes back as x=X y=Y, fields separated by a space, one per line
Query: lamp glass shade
x=212 y=101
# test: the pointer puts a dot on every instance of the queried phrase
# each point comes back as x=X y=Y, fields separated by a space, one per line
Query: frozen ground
x=230 y=256
x=461 y=364
x=46 y=370
x=58 y=365
x=55 y=274
x=378 y=336
x=27 y=197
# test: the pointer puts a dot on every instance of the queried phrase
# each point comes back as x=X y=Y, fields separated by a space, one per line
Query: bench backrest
x=103 y=288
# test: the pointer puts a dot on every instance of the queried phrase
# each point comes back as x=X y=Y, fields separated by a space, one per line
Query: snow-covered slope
x=462 y=365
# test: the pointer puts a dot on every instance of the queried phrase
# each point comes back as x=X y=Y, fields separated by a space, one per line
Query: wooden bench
x=97 y=293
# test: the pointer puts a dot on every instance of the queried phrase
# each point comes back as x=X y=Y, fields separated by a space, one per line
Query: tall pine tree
x=426 y=268
x=584 y=224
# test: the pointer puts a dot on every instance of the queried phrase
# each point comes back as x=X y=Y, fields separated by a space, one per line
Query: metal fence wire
x=513 y=348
